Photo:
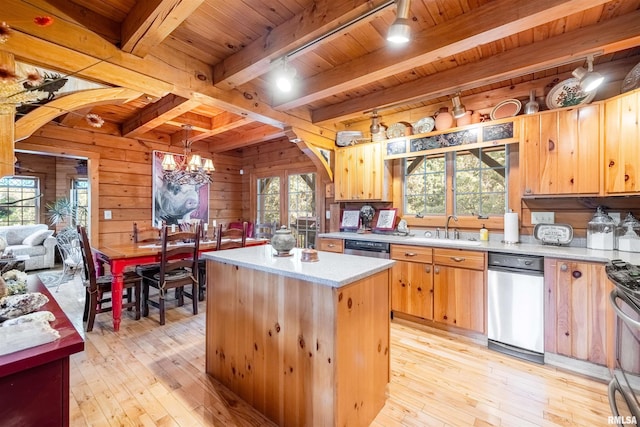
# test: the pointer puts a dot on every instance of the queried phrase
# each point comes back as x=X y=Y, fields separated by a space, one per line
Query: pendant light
x=589 y=79
x=400 y=31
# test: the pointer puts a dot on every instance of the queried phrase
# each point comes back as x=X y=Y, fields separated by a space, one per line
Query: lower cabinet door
x=412 y=289
x=459 y=298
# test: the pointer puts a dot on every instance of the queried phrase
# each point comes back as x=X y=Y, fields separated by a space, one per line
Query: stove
x=626 y=277
x=624 y=388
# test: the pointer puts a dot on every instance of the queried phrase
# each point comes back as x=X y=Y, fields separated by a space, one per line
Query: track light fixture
x=400 y=31
x=458 y=108
x=589 y=79
x=285 y=76
x=375 y=123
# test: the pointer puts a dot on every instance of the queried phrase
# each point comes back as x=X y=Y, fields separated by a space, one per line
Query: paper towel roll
x=511 y=228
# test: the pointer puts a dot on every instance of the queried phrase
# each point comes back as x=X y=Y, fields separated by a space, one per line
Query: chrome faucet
x=446 y=226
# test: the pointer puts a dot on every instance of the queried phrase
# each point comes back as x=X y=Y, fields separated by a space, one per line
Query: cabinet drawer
x=459 y=258
x=331 y=245
x=411 y=253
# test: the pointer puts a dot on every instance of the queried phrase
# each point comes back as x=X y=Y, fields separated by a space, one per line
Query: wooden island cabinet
x=305 y=343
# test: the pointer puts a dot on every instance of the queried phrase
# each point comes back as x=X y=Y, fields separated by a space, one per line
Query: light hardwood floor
x=151 y=375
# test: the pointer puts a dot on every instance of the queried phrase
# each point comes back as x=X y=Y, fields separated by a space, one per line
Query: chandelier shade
x=187 y=169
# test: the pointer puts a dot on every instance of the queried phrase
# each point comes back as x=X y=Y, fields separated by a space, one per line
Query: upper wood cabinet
x=560 y=152
x=579 y=321
x=622 y=143
x=362 y=174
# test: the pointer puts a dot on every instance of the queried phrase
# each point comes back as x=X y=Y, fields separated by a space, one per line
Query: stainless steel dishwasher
x=516 y=305
x=367 y=248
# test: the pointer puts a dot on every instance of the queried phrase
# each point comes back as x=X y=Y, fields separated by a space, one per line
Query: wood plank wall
x=125 y=177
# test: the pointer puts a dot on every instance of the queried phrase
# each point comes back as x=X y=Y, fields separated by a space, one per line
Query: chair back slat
x=238 y=237
x=87 y=259
x=264 y=230
x=183 y=255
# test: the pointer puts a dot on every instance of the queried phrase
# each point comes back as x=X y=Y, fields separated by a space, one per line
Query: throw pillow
x=37 y=237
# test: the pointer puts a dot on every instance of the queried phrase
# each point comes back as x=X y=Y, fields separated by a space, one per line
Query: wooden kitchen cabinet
x=412 y=281
x=328 y=244
x=362 y=174
x=579 y=322
x=622 y=143
x=459 y=288
x=560 y=152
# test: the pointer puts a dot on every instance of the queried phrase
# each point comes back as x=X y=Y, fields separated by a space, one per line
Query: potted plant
x=63 y=213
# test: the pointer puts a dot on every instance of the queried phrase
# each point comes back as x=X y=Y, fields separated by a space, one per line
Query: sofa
x=35 y=240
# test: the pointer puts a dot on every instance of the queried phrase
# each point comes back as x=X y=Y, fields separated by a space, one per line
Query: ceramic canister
x=444 y=119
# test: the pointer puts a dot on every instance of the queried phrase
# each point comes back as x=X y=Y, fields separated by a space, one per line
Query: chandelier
x=188 y=168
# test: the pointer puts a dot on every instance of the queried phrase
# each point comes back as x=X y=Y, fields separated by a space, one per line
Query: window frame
x=36 y=199
x=465 y=221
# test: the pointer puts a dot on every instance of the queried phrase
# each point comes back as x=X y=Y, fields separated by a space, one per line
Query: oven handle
x=625 y=318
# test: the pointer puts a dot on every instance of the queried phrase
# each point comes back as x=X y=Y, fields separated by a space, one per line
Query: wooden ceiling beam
x=156 y=114
x=491 y=22
x=318 y=19
x=254 y=136
x=67 y=47
x=150 y=22
x=605 y=37
x=37 y=118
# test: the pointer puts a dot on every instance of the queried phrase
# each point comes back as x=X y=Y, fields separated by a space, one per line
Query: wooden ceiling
x=210 y=63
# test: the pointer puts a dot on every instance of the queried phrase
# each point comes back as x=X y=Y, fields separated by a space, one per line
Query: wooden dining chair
x=98 y=287
x=231 y=237
x=178 y=268
x=145 y=234
x=264 y=230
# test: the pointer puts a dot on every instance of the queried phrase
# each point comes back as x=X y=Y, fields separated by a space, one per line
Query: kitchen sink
x=443 y=242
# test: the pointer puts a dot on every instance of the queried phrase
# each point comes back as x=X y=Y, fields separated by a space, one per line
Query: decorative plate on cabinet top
x=398 y=130
x=568 y=93
x=424 y=125
x=632 y=81
x=508 y=108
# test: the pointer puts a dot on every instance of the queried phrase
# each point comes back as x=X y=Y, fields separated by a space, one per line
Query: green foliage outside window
x=478 y=176
x=19 y=202
x=269 y=199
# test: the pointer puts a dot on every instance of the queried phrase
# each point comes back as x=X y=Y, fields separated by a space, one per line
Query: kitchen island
x=305 y=343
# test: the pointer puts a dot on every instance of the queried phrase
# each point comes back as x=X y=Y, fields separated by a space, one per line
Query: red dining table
x=122 y=256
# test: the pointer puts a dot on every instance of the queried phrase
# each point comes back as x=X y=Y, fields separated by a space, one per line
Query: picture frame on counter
x=386 y=219
x=350 y=220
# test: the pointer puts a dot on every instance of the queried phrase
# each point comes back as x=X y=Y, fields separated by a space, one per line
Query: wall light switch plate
x=107 y=214
x=327 y=214
x=543 y=217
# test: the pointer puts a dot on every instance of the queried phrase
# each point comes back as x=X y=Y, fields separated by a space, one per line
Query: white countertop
x=331 y=269
x=569 y=252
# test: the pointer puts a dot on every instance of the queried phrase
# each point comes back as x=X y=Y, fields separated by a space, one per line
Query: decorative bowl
x=283 y=241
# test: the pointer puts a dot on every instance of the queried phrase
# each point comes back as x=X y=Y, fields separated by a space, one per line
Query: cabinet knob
x=576 y=274
x=427 y=269
x=527 y=190
x=436 y=270
x=564 y=267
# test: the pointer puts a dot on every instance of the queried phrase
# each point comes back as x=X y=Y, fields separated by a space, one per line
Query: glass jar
x=601 y=231
x=628 y=234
